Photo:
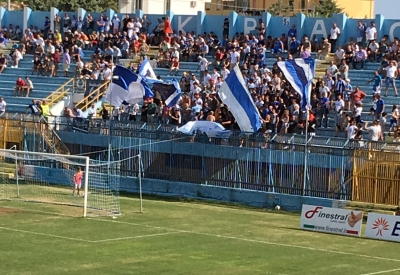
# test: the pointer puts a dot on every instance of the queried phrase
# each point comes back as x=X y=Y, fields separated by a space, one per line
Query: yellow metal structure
x=60 y=93
x=93 y=97
x=13 y=130
x=376 y=177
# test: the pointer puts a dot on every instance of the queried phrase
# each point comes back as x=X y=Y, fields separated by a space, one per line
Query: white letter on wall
x=391 y=31
x=252 y=27
x=319 y=28
x=182 y=24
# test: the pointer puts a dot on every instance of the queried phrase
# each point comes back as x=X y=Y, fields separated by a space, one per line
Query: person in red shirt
x=56 y=61
x=19 y=85
x=167 y=27
x=174 y=66
x=357 y=96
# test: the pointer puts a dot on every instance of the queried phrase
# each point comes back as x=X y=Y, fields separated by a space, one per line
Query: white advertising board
x=383 y=227
x=331 y=220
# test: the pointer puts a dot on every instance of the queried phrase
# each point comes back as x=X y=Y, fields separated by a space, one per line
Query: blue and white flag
x=300 y=73
x=211 y=129
x=147 y=72
x=126 y=86
x=170 y=92
x=234 y=93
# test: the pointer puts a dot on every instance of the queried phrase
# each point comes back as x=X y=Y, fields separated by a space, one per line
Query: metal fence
x=290 y=164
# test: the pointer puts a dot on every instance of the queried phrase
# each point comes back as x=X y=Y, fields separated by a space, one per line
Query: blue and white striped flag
x=234 y=93
x=147 y=72
x=170 y=92
x=300 y=73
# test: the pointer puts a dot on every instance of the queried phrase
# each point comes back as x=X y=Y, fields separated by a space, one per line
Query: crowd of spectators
x=115 y=38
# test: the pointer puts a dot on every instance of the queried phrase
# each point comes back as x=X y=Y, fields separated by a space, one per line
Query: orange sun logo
x=380 y=224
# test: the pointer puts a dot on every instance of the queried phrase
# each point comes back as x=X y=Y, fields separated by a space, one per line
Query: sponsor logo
x=381 y=225
x=331 y=216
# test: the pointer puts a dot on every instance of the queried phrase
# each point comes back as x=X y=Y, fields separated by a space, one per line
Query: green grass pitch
x=174 y=237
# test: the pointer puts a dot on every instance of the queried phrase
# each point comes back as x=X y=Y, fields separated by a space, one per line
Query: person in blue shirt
x=277 y=46
x=323 y=110
x=380 y=106
x=292 y=32
x=46 y=26
x=294 y=45
x=377 y=79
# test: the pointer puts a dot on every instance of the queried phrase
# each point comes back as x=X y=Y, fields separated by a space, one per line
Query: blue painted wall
x=222 y=194
x=205 y=23
x=187 y=190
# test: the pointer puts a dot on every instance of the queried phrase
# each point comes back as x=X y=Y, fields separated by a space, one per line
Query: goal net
x=91 y=186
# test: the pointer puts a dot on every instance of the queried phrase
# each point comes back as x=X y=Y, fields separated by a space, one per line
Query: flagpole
x=305 y=152
x=306 y=132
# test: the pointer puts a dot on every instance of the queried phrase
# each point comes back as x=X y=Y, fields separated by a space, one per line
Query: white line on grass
x=43 y=234
x=230 y=237
x=382 y=272
x=253 y=241
x=135 y=237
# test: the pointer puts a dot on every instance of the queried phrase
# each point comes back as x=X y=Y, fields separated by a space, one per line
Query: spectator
x=375 y=131
x=16 y=57
x=19 y=86
x=360 y=57
x=3 y=63
x=3 y=105
x=335 y=33
x=391 y=75
x=394 y=118
x=34 y=108
x=28 y=86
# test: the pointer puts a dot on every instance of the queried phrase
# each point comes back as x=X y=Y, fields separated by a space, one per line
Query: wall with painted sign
x=202 y=22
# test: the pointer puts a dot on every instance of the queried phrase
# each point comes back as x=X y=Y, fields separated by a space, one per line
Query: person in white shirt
x=107 y=73
x=339 y=54
x=215 y=75
x=375 y=131
x=207 y=78
x=224 y=73
x=371 y=33
x=133 y=111
x=351 y=130
x=373 y=50
x=335 y=33
x=332 y=68
x=339 y=106
x=234 y=58
x=17 y=56
x=92 y=111
x=3 y=105
x=203 y=66
x=391 y=75
x=137 y=26
x=116 y=24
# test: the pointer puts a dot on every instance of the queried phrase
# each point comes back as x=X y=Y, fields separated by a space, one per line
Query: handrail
x=93 y=96
x=55 y=96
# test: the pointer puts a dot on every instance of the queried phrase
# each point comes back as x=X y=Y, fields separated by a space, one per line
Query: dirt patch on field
x=7 y=211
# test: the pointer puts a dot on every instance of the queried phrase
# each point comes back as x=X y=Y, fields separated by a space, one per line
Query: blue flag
x=126 y=86
x=300 y=73
x=170 y=92
x=234 y=93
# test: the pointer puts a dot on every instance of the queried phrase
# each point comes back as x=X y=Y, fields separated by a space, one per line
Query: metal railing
x=93 y=97
x=60 y=93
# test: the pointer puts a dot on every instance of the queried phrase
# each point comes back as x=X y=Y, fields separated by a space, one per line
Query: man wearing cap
x=116 y=22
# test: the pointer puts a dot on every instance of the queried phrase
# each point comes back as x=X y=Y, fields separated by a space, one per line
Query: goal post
x=90 y=186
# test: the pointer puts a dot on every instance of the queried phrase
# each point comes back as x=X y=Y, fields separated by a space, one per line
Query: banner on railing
x=383 y=227
x=91 y=85
x=331 y=220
